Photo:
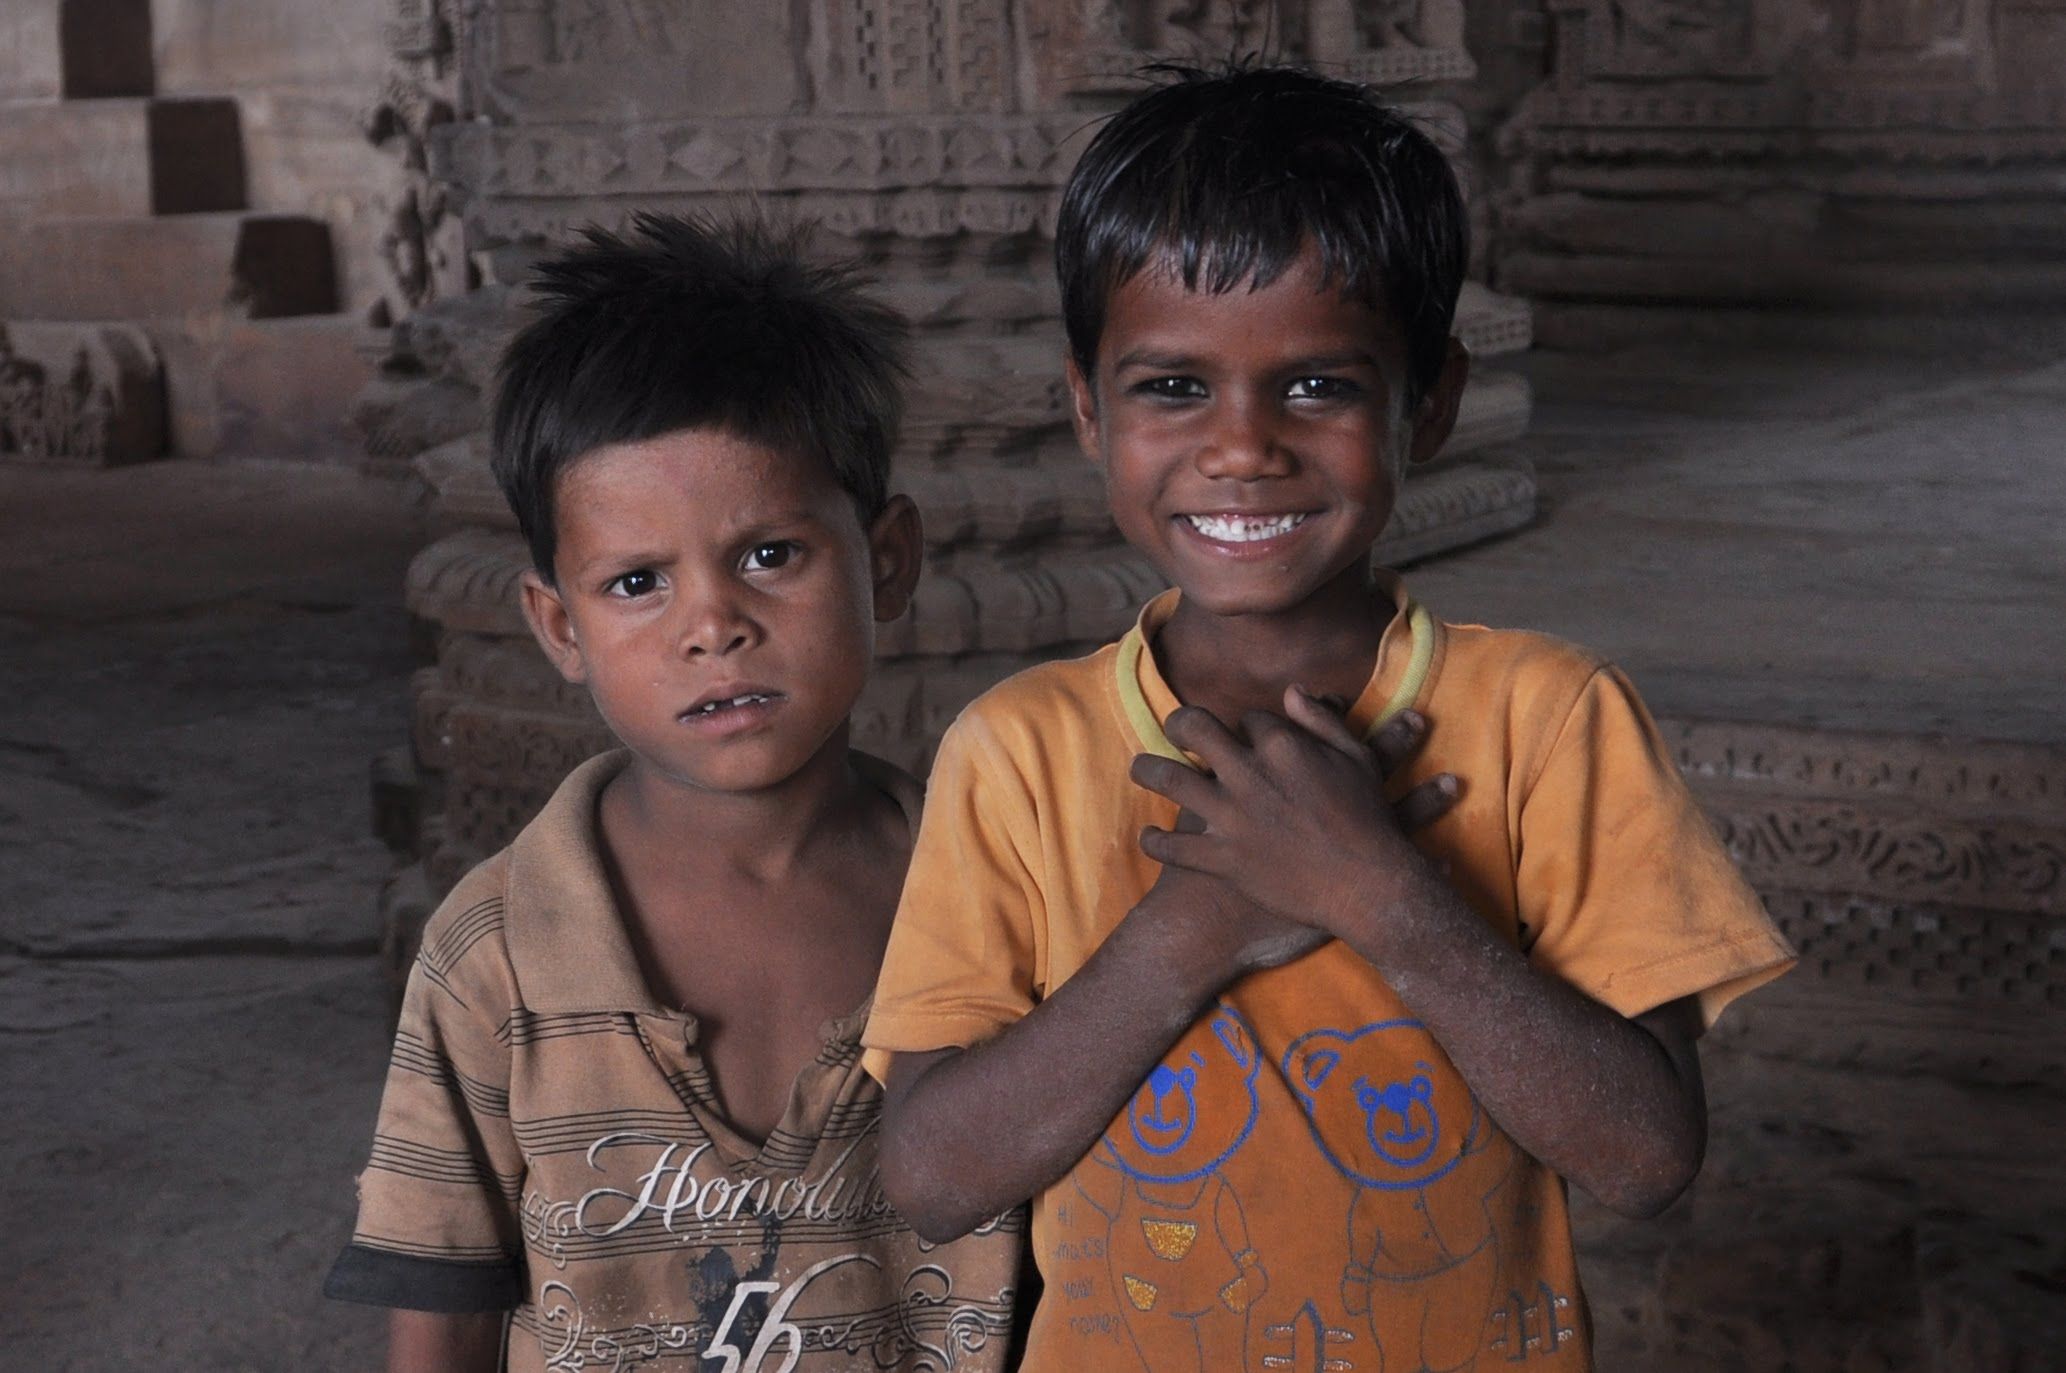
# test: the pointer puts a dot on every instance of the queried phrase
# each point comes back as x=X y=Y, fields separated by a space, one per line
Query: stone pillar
x=1878 y=154
x=931 y=137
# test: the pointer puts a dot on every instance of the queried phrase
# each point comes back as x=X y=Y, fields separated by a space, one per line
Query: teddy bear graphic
x=1177 y=1247
x=1394 y=1117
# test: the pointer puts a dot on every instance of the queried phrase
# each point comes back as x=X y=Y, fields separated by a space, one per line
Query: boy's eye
x=766 y=557
x=638 y=582
x=1322 y=388
x=1170 y=388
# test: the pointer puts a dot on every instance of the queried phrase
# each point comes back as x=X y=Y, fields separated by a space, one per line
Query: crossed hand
x=1284 y=838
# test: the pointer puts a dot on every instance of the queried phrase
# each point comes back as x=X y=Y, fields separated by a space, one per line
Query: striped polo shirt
x=550 y=1143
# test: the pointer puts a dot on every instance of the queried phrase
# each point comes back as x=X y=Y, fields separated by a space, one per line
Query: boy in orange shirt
x=1289 y=1088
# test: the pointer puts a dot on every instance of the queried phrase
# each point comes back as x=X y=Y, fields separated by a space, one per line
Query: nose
x=714 y=623
x=1246 y=441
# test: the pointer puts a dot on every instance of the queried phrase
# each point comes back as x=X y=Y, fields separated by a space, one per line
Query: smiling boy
x=625 y=1119
x=1397 y=925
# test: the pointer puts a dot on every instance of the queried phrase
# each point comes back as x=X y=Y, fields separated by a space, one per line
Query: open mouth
x=726 y=705
x=1244 y=528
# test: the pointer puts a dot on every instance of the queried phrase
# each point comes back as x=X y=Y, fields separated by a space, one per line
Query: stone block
x=1454 y=505
x=74 y=49
x=211 y=47
x=266 y=388
x=105 y=47
x=260 y=266
x=1495 y=409
x=120 y=157
x=1490 y=324
x=30 y=64
x=84 y=394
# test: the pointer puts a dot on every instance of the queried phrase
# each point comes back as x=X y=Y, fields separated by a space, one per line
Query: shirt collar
x=1399 y=678
x=567 y=943
x=566 y=936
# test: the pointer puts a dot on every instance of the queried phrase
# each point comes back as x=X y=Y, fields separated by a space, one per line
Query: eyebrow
x=1314 y=362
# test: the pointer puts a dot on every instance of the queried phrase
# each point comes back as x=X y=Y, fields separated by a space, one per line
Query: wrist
x=1376 y=901
x=1182 y=948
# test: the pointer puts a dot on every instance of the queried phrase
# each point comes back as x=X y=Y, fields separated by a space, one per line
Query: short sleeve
x=1623 y=889
x=966 y=955
x=438 y=1224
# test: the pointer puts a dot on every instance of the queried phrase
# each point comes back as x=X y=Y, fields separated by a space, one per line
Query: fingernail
x=1447 y=783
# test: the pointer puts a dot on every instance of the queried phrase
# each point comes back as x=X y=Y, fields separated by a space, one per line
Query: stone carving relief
x=421 y=243
x=1874 y=121
x=1672 y=37
x=86 y=394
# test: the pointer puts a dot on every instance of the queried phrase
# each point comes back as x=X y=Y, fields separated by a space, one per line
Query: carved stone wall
x=1831 y=153
x=930 y=137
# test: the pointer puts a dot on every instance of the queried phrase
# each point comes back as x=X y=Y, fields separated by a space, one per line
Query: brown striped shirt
x=550 y=1143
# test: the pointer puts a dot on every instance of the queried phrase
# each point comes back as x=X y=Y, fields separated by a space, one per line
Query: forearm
x=441 y=1342
x=1593 y=1095
x=1047 y=1086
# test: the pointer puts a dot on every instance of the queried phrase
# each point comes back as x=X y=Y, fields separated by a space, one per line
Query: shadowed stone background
x=1786 y=445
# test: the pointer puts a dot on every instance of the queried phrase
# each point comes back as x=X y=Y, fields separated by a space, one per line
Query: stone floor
x=197 y=661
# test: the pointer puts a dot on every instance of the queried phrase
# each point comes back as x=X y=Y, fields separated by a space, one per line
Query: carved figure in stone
x=1681 y=35
x=1219 y=27
x=1913 y=28
x=584 y=30
x=21 y=401
x=418 y=243
x=1390 y=24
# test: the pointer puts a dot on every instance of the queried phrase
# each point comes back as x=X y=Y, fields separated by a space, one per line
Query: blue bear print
x=1392 y=1116
x=1177 y=1244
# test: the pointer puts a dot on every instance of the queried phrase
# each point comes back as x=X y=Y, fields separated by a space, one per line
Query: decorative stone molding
x=1880 y=852
x=1826 y=153
x=1959 y=777
x=1920 y=949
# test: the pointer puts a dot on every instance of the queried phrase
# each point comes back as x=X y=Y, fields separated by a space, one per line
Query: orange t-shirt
x=1306 y=1181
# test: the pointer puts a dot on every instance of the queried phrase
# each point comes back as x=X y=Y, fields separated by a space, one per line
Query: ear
x=1083 y=408
x=896 y=554
x=1437 y=414
x=551 y=626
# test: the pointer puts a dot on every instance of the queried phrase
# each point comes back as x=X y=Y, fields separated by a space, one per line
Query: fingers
x=1199 y=733
x=1171 y=850
x=1399 y=740
x=1324 y=721
x=1427 y=803
x=1179 y=782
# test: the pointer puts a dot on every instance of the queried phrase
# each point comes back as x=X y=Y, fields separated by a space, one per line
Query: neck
x=1234 y=663
x=763 y=833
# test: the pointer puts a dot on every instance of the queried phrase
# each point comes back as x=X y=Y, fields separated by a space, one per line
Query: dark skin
x=1274 y=402
x=689 y=565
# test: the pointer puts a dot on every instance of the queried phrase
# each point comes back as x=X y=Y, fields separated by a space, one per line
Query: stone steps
x=75 y=49
x=256 y=266
x=120 y=158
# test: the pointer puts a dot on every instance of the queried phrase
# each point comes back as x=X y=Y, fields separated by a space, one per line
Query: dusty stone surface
x=195 y=664
x=1815 y=537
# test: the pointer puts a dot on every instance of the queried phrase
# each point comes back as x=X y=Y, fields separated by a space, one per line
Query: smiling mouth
x=1244 y=528
x=726 y=704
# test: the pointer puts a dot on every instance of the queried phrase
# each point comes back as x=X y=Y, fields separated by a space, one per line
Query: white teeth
x=1244 y=528
x=748 y=699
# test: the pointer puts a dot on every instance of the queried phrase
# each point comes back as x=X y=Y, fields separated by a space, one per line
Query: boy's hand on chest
x=1293 y=821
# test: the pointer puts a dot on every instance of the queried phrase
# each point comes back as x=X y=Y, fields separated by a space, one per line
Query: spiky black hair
x=688 y=322
x=1229 y=175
